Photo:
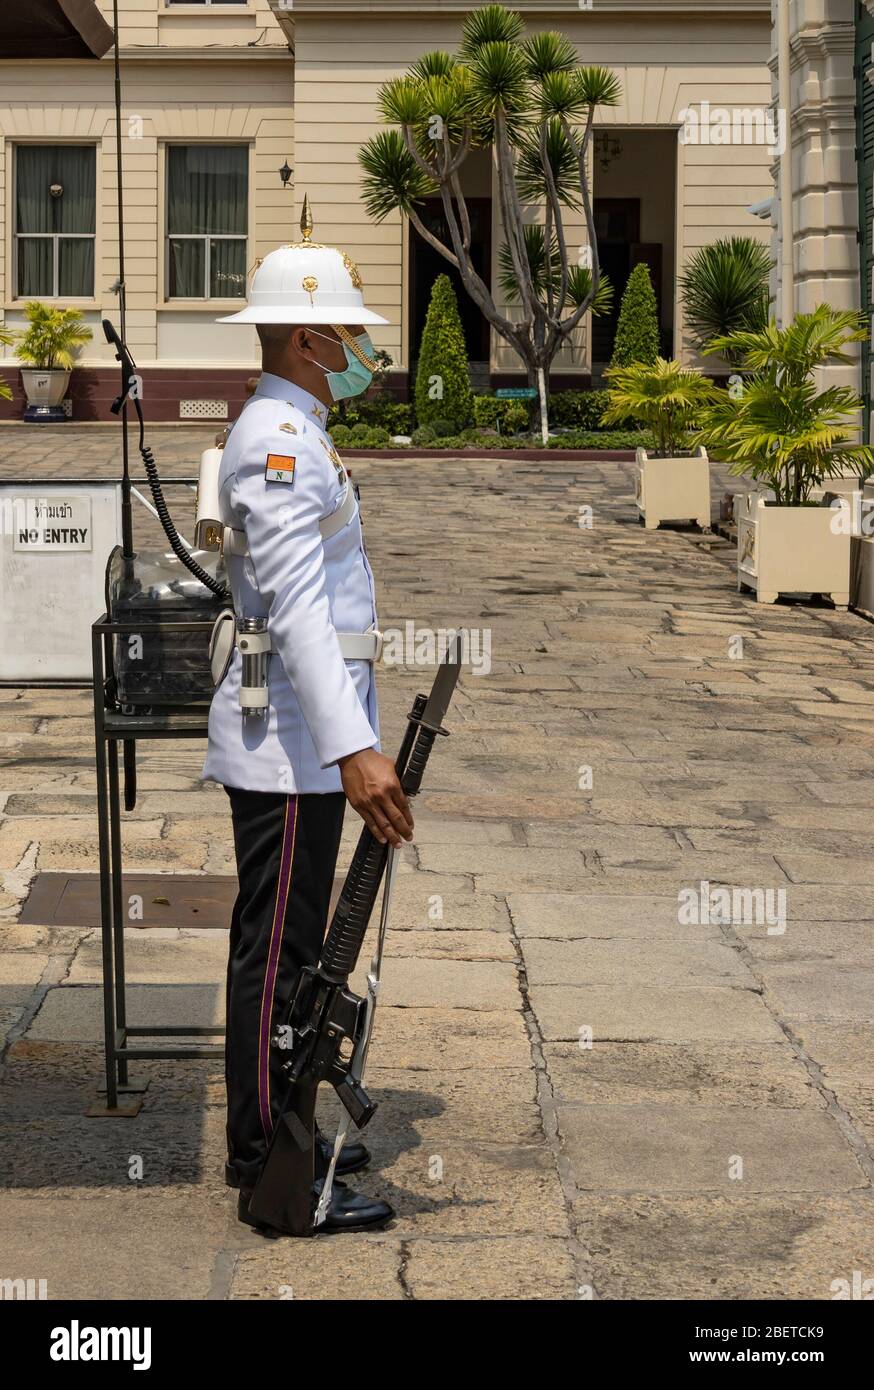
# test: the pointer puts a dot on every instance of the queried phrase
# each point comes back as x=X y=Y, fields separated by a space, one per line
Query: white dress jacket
x=280 y=475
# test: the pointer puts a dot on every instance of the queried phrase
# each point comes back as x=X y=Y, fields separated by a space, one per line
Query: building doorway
x=634 y=209
x=426 y=265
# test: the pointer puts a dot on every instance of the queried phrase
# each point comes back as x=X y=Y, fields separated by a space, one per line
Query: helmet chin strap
x=353 y=345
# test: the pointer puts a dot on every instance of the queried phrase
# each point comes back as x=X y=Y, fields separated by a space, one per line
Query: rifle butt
x=283 y=1195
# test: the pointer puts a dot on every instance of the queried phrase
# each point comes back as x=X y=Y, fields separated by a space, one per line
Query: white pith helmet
x=306 y=283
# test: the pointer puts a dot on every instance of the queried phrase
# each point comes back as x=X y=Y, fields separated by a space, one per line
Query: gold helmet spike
x=306 y=221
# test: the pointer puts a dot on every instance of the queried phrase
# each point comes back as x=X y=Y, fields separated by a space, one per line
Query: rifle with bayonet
x=326 y=1030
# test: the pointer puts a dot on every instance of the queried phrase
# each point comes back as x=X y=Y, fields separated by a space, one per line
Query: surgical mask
x=359 y=371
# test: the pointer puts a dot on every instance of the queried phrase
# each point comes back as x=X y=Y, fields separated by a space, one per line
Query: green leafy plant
x=578 y=409
x=525 y=99
x=424 y=434
x=6 y=340
x=777 y=426
x=470 y=440
x=665 y=396
x=360 y=436
x=496 y=413
x=395 y=416
x=725 y=289
x=443 y=390
x=52 y=336
x=637 y=332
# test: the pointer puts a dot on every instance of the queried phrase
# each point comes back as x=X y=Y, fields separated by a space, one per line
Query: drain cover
x=164 y=900
x=167 y=900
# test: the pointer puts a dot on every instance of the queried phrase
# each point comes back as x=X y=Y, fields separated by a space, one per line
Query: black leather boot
x=353 y=1157
x=348 y=1211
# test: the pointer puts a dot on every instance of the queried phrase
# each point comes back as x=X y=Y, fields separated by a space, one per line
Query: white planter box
x=792 y=550
x=675 y=489
x=45 y=386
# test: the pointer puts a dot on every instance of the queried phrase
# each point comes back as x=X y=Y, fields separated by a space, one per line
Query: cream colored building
x=214 y=89
x=208 y=99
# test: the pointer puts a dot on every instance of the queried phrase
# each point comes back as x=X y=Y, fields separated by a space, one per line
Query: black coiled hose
x=180 y=550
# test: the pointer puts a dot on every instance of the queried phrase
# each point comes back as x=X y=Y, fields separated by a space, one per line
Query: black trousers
x=286 y=849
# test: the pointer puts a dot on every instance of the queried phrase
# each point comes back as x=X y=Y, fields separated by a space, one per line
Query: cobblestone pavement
x=713 y=1140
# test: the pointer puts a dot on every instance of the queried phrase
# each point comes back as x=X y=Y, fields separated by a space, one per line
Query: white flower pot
x=45 y=385
x=793 y=550
x=673 y=489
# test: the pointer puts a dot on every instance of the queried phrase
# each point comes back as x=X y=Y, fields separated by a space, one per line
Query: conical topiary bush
x=637 y=333
x=443 y=390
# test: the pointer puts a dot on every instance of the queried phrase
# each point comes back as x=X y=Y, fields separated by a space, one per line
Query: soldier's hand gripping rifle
x=326 y=1031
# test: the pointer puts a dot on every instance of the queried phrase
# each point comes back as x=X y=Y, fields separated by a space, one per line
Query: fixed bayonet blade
x=444 y=685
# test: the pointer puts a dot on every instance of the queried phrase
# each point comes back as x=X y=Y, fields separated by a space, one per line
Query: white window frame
x=55 y=237
x=203 y=236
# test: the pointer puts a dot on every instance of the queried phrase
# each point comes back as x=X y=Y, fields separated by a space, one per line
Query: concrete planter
x=673 y=489
x=45 y=388
x=792 y=550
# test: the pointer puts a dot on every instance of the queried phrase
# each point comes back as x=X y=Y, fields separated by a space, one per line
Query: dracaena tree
x=527 y=100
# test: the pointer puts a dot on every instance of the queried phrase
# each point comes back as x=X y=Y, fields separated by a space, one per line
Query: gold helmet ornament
x=306 y=283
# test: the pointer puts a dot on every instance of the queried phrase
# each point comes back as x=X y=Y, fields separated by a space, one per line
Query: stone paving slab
x=746 y=1246
x=74 y=1013
x=532 y=906
x=693 y=1148
x=707 y=1073
x=294 y=1270
x=482 y=1188
x=658 y=1013
x=151 y=1245
x=571 y=916
x=513 y=1267
x=627 y=963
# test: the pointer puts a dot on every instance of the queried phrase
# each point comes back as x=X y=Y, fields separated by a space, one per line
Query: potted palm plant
x=48 y=346
x=673 y=480
x=5 y=391
x=791 y=438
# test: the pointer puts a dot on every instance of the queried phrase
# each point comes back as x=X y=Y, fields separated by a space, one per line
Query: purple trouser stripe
x=282 y=889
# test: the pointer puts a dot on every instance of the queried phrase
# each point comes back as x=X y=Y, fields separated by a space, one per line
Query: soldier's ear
x=303 y=342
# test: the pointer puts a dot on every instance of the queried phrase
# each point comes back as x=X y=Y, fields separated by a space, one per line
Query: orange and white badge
x=279 y=468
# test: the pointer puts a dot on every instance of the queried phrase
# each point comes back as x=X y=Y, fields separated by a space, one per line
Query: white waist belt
x=234 y=542
x=355 y=646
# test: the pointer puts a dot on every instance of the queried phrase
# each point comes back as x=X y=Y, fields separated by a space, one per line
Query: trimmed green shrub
x=567 y=409
x=360 y=436
x=577 y=409
x=442 y=377
x=425 y=434
x=487 y=411
x=637 y=333
x=395 y=416
x=516 y=417
x=490 y=413
x=604 y=439
x=423 y=438
x=444 y=428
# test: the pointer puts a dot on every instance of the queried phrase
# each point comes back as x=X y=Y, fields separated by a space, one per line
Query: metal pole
x=127 y=537
x=784 y=103
x=106 y=924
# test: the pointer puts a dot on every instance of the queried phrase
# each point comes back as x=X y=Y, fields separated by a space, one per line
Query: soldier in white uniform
x=295 y=555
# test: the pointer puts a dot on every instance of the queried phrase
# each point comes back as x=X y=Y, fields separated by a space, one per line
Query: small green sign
x=517 y=393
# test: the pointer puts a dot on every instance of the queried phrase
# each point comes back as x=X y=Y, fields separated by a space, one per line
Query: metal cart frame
x=114 y=726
